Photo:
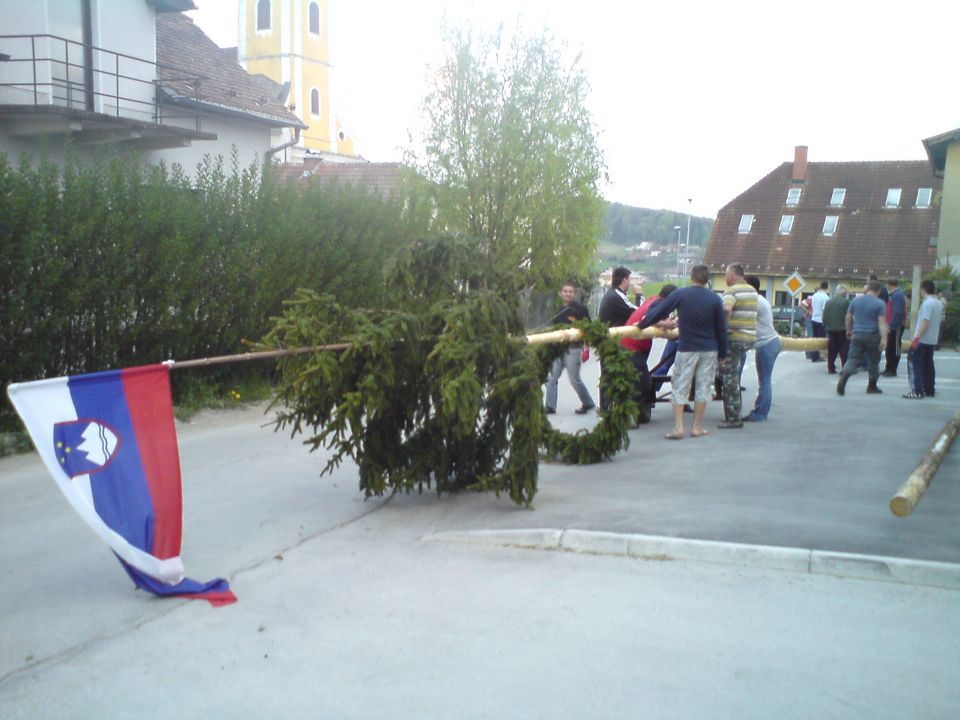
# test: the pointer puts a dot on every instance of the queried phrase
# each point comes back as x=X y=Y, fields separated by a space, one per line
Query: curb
x=652 y=547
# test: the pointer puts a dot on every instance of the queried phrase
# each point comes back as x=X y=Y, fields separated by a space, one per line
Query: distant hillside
x=627 y=226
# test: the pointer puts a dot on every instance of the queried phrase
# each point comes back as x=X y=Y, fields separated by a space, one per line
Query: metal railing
x=50 y=70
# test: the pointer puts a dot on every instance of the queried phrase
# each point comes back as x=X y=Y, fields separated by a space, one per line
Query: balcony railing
x=51 y=70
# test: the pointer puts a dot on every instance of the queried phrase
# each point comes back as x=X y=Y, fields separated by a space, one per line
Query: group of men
x=716 y=333
x=859 y=330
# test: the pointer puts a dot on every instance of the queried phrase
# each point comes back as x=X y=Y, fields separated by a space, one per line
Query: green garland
x=609 y=435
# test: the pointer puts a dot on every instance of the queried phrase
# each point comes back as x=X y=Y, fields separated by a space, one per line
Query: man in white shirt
x=925 y=338
x=817 y=302
x=765 y=352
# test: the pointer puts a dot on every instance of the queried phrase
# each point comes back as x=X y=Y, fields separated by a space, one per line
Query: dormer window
x=830 y=224
x=786 y=224
x=263 y=15
x=746 y=223
x=924 y=196
x=836 y=199
x=793 y=197
x=893 y=198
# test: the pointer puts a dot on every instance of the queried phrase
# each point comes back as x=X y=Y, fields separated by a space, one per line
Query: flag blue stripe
x=121 y=494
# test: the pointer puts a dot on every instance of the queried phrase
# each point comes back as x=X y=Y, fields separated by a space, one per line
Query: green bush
x=115 y=263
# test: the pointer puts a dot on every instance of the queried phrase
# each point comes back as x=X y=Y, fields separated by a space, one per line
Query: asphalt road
x=369 y=608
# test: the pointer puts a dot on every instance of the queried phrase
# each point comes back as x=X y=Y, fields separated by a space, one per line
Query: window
x=263 y=15
x=924 y=196
x=786 y=224
x=315 y=102
x=793 y=196
x=893 y=198
x=780 y=298
x=830 y=224
x=746 y=222
x=836 y=200
x=314 y=19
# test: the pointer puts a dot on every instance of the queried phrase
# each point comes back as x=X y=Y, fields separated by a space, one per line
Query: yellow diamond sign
x=794 y=284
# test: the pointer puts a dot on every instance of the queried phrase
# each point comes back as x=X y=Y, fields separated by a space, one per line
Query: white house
x=131 y=74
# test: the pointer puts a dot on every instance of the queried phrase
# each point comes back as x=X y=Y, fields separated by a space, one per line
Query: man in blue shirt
x=703 y=340
x=867 y=330
x=896 y=312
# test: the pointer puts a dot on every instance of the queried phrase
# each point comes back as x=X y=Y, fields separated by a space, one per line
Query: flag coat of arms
x=110 y=443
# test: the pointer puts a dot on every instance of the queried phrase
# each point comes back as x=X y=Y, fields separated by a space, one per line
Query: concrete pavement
x=419 y=606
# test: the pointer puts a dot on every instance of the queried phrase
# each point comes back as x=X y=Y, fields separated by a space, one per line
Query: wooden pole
x=909 y=494
x=547 y=338
x=244 y=357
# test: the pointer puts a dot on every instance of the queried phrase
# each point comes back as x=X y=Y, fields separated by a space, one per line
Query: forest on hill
x=628 y=226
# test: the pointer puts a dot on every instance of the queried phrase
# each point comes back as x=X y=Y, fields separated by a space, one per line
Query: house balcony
x=52 y=86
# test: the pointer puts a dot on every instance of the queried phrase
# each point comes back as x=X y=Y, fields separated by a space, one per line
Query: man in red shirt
x=640 y=352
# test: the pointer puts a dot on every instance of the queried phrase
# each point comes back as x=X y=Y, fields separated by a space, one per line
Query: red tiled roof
x=869 y=237
x=385 y=178
x=184 y=53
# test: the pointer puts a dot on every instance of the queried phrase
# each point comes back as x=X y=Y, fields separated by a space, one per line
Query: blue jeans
x=570 y=361
x=765 y=357
x=924 y=373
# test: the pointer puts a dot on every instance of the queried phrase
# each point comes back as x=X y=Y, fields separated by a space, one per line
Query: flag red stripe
x=147 y=391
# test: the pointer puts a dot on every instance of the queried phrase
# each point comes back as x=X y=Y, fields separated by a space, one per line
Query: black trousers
x=893 y=350
x=838 y=345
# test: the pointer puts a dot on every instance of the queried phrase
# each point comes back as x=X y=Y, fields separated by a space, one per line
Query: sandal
x=674 y=436
x=699 y=434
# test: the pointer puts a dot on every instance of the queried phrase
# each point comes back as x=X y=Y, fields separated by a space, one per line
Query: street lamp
x=678 y=229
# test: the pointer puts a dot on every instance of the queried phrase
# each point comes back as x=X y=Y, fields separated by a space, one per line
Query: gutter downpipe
x=268 y=155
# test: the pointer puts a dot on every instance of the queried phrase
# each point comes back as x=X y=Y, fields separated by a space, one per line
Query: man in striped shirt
x=740 y=304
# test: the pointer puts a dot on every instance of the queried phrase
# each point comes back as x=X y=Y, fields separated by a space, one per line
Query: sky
x=693 y=101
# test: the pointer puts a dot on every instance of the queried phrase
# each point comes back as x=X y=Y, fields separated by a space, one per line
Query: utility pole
x=686 y=251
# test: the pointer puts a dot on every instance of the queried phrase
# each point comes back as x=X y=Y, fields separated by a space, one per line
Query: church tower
x=288 y=41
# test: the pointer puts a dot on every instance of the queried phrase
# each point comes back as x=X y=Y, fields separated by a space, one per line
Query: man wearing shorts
x=703 y=340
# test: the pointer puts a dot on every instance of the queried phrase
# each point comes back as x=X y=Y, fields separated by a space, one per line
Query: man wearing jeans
x=867 y=330
x=924 y=342
x=765 y=352
x=571 y=358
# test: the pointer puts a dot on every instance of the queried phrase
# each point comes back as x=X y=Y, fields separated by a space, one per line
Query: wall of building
x=120 y=26
x=777 y=294
x=251 y=139
x=948 y=244
x=126 y=29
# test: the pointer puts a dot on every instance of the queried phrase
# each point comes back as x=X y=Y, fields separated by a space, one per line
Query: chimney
x=800 y=164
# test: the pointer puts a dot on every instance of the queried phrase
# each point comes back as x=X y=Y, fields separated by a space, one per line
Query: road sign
x=794 y=284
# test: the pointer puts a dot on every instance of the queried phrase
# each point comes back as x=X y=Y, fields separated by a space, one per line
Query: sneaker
x=730 y=424
x=888 y=373
x=551 y=411
x=584 y=409
x=913 y=396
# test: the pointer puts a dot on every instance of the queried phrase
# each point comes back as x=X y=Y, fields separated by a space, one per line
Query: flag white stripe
x=42 y=404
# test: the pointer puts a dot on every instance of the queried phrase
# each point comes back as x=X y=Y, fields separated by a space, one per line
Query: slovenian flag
x=110 y=443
